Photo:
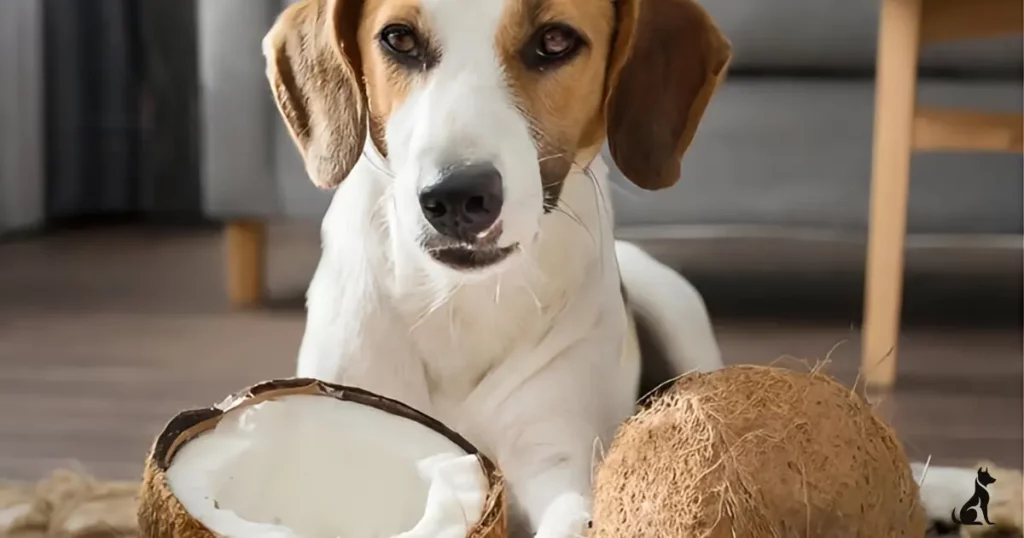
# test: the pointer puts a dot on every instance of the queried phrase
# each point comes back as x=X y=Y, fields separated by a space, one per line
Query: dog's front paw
x=567 y=517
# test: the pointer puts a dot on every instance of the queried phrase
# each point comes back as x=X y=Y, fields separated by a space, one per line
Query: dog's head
x=481 y=107
x=984 y=478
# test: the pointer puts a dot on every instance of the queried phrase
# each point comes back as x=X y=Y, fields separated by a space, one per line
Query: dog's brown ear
x=315 y=74
x=667 y=60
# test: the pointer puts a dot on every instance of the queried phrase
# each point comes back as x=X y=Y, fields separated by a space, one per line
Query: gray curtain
x=121 y=108
x=21 y=113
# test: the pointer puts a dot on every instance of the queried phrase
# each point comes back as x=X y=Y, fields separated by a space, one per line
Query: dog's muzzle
x=463 y=207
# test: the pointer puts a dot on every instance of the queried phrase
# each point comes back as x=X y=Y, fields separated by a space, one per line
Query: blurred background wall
x=21 y=113
x=159 y=111
x=100 y=102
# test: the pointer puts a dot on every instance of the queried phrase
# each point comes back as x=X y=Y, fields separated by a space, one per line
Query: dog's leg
x=546 y=456
x=567 y=515
x=550 y=430
x=353 y=339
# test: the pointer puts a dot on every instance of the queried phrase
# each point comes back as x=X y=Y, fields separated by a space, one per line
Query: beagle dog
x=469 y=267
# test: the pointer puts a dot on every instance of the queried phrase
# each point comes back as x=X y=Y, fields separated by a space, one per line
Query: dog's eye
x=405 y=47
x=400 y=39
x=557 y=41
x=552 y=45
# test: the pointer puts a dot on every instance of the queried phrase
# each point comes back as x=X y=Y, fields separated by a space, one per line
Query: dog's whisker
x=424 y=315
x=388 y=191
x=549 y=157
x=536 y=302
x=452 y=326
x=532 y=270
x=442 y=298
x=568 y=214
x=532 y=124
x=381 y=204
x=432 y=308
x=372 y=161
x=575 y=216
x=524 y=261
x=600 y=204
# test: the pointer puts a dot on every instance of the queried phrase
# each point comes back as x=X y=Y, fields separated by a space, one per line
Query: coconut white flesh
x=316 y=467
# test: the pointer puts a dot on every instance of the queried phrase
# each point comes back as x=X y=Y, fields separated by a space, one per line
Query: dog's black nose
x=464 y=202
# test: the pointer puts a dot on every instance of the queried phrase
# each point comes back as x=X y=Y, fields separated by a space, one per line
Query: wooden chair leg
x=245 y=250
x=895 y=100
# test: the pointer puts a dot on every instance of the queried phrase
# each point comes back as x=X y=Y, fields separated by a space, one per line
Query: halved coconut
x=300 y=458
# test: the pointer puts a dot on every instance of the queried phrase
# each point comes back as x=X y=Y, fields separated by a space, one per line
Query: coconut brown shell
x=161 y=515
x=754 y=452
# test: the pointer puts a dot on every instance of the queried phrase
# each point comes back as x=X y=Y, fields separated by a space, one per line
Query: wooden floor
x=104 y=335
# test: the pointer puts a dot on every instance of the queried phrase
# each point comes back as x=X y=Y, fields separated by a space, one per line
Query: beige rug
x=68 y=504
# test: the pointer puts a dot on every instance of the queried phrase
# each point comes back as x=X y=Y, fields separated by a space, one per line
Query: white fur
x=665 y=299
x=534 y=360
x=535 y=363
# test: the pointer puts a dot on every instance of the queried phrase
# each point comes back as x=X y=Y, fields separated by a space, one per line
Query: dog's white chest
x=461 y=342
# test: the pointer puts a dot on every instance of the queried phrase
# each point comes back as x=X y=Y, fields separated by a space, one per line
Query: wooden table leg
x=895 y=100
x=245 y=257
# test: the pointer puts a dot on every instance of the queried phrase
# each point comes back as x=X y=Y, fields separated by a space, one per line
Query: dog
x=469 y=267
x=977 y=503
x=468 y=264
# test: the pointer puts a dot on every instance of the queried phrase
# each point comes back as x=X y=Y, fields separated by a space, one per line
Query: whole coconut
x=756 y=452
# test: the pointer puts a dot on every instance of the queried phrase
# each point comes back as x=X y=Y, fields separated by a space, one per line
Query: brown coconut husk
x=755 y=452
x=69 y=504
x=161 y=514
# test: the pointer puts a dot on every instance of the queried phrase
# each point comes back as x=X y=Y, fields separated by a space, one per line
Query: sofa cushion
x=796 y=154
x=841 y=35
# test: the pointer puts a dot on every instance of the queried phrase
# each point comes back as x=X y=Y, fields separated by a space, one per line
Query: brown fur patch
x=561 y=105
x=387 y=84
x=330 y=79
x=314 y=71
x=643 y=81
x=668 y=60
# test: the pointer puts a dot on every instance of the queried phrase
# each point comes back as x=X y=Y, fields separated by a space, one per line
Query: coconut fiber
x=756 y=452
x=69 y=505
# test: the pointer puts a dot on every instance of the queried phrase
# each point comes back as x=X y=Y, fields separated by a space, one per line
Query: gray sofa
x=784 y=150
x=787 y=140
x=21 y=115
